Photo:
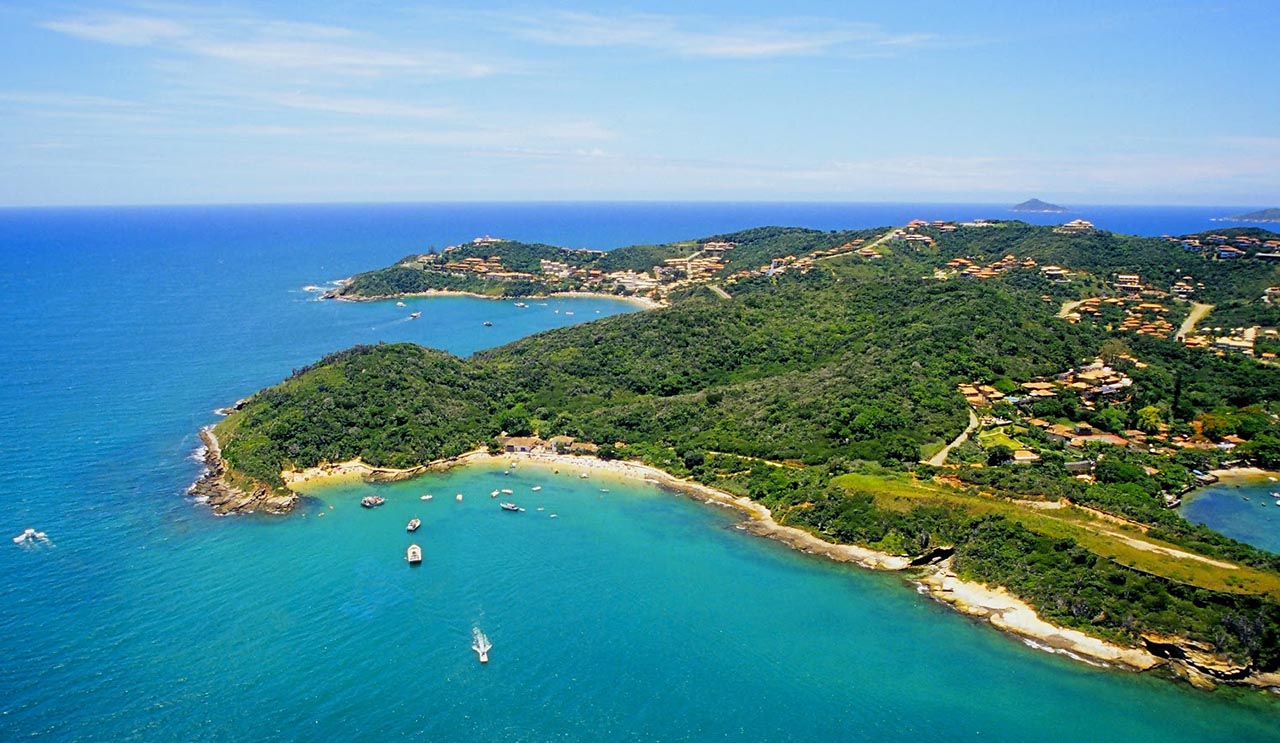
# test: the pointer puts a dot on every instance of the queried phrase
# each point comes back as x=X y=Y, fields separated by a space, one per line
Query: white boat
x=494 y=494
x=458 y=497
x=413 y=524
x=568 y=312
x=401 y=304
x=414 y=315
x=583 y=475
x=480 y=644
x=29 y=536
x=604 y=490
x=536 y=488
x=426 y=497
x=508 y=491
x=372 y=501
x=413 y=554
x=521 y=304
x=506 y=506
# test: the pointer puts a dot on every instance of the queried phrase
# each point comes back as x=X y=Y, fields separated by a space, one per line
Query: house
x=1025 y=456
x=1109 y=439
x=522 y=444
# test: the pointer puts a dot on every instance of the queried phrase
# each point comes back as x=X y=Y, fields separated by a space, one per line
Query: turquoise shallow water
x=1242 y=509
x=634 y=615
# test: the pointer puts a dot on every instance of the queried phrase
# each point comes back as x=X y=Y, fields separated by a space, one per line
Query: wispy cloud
x=121 y=30
x=268 y=45
x=706 y=37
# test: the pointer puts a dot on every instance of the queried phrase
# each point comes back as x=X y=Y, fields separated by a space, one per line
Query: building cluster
x=489 y=268
x=1227 y=248
x=555 y=444
x=1141 y=317
x=1238 y=340
x=912 y=235
x=969 y=269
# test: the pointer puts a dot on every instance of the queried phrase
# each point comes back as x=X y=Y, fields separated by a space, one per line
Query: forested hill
x=805 y=368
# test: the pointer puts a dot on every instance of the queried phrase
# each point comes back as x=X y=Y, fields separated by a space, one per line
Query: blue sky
x=1084 y=102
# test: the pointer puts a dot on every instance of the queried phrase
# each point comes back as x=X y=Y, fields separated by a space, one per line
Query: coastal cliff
x=215 y=488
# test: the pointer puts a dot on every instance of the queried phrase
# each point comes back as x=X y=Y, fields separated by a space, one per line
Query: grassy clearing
x=902 y=493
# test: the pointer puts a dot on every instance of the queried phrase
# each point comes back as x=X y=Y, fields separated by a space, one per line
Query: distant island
x=1036 y=205
x=1262 y=215
x=991 y=403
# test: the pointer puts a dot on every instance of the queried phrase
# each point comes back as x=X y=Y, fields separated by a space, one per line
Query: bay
x=634 y=615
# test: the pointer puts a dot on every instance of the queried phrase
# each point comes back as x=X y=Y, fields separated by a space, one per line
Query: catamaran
x=480 y=644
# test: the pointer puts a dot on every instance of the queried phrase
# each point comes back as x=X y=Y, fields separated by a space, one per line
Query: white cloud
x=269 y=45
x=693 y=37
x=120 y=30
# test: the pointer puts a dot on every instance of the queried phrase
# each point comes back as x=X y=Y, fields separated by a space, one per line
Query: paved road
x=937 y=460
x=719 y=291
x=1198 y=311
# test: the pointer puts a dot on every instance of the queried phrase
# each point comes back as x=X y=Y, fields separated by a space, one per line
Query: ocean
x=633 y=615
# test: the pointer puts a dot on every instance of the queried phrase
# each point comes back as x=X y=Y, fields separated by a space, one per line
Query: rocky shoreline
x=1184 y=658
x=223 y=497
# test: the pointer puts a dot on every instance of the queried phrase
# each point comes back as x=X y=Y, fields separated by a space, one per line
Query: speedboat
x=425 y=497
x=372 y=501
x=521 y=304
x=401 y=304
x=508 y=491
x=413 y=524
x=536 y=488
x=458 y=497
x=414 y=315
x=413 y=554
x=494 y=494
x=488 y=324
x=509 y=506
x=480 y=644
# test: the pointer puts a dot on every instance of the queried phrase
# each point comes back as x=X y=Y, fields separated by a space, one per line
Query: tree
x=1149 y=419
x=998 y=455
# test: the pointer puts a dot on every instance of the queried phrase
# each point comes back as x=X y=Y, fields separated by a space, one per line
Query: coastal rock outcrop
x=1201 y=666
x=225 y=498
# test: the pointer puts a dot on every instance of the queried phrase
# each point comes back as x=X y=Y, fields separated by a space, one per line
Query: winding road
x=937 y=460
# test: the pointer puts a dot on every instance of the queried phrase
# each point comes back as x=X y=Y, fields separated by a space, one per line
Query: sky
x=370 y=101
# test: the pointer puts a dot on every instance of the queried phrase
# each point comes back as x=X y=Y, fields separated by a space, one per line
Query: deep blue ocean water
x=634 y=615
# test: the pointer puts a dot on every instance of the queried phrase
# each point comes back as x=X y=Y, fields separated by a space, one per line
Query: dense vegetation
x=846 y=368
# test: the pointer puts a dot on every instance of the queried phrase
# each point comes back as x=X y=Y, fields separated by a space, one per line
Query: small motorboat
x=425 y=497
x=604 y=490
x=414 y=315
x=536 y=488
x=494 y=494
x=458 y=497
x=480 y=644
x=509 y=506
x=413 y=524
x=372 y=501
x=584 y=475
x=401 y=304
x=521 y=305
x=413 y=554
x=488 y=324
x=508 y=491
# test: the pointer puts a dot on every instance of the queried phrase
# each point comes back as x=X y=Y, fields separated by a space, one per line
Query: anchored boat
x=413 y=554
x=508 y=506
x=372 y=501
x=413 y=524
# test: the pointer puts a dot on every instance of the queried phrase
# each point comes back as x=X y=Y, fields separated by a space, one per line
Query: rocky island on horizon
x=1036 y=205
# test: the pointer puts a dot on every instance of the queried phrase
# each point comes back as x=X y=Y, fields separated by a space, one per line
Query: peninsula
x=1036 y=205
x=814 y=373
x=1262 y=215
